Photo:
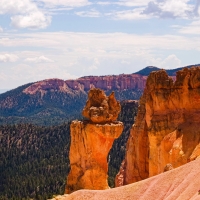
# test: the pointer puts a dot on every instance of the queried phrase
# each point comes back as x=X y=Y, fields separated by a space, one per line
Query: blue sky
x=67 y=39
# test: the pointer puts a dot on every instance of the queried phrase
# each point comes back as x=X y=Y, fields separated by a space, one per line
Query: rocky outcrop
x=100 y=108
x=167 y=125
x=47 y=85
x=91 y=142
x=114 y=82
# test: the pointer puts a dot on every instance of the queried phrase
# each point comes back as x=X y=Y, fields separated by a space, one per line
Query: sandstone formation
x=48 y=84
x=167 y=128
x=182 y=183
x=91 y=142
x=100 y=108
x=112 y=82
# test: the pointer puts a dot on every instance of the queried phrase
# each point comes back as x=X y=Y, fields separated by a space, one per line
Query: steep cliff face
x=114 y=82
x=90 y=145
x=166 y=131
x=91 y=142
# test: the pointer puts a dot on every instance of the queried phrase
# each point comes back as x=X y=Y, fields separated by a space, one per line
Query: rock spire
x=91 y=141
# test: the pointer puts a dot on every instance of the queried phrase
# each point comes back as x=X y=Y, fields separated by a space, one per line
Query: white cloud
x=1 y=29
x=171 y=62
x=104 y=3
x=197 y=8
x=40 y=59
x=95 y=64
x=27 y=73
x=193 y=28
x=24 y=14
x=66 y=3
x=83 y=54
x=96 y=43
x=169 y=8
x=127 y=3
x=134 y=14
x=8 y=58
x=145 y=9
x=125 y=62
x=131 y=3
x=3 y=77
x=91 y=13
x=35 y=20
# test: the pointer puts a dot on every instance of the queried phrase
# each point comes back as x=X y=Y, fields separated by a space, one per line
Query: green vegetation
x=171 y=72
x=54 y=107
x=34 y=160
x=117 y=153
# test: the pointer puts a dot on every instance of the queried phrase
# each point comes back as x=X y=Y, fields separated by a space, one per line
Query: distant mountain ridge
x=53 y=101
x=3 y=90
x=171 y=72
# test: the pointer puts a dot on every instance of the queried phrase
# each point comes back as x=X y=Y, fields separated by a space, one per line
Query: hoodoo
x=166 y=132
x=91 y=141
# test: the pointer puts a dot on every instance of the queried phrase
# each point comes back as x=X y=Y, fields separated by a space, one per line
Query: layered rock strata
x=91 y=141
x=166 y=131
x=114 y=82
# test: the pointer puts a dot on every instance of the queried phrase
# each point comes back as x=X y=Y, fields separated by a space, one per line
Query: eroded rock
x=100 y=108
x=91 y=142
x=168 y=167
x=167 y=125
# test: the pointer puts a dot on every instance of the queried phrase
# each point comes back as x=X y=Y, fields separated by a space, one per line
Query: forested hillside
x=34 y=159
x=53 y=107
x=54 y=101
x=171 y=72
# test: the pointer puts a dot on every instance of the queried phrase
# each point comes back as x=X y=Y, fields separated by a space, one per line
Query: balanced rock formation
x=100 y=108
x=91 y=142
x=167 y=128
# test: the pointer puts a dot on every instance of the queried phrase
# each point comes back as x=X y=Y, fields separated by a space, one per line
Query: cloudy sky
x=66 y=39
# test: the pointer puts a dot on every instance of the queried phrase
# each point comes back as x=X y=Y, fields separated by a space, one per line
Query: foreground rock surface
x=182 y=183
x=166 y=131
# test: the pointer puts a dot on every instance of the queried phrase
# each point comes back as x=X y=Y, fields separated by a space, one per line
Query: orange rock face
x=121 y=82
x=91 y=142
x=166 y=131
x=90 y=145
x=100 y=108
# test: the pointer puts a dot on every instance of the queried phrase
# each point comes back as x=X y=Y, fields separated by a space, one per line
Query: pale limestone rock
x=181 y=183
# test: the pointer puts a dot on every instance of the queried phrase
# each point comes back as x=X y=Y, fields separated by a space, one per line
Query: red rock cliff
x=167 y=127
x=113 y=82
